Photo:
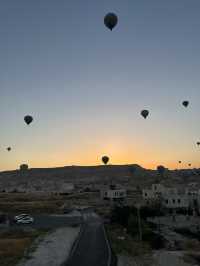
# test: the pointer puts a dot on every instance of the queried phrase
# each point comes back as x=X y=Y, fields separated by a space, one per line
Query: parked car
x=25 y=220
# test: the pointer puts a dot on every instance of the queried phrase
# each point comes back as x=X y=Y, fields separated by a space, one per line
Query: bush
x=120 y=215
x=132 y=227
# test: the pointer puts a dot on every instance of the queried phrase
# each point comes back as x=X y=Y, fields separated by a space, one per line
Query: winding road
x=92 y=247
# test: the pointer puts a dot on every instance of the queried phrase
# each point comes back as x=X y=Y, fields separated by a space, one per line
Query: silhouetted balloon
x=105 y=159
x=185 y=103
x=23 y=167
x=145 y=113
x=179 y=161
x=110 y=20
x=9 y=149
x=28 y=119
x=198 y=143
x=189 y=164
x=161 y=169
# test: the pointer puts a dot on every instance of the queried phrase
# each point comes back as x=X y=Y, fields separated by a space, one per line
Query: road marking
x=76 y=243
x=108 y=245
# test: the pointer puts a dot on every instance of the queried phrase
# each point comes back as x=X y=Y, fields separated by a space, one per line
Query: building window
x=145 y=194
x=179 y=201
x=166 y=201
x=173 y=201
x=155 y=187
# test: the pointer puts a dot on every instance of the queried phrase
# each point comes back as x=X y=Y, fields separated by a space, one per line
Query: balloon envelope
x=145 y=113
x=105 y=159
x=9 y=149
x=185 y=103
x=110 y=20
x=161 y=169
x=28 y=119
x=198 y=143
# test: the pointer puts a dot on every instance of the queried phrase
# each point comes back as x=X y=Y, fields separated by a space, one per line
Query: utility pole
x=139 y=222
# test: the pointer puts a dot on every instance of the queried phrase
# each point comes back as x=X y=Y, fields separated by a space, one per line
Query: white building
x=175 y=201
x=113 y=193
x=170 y=198
x=153 y=194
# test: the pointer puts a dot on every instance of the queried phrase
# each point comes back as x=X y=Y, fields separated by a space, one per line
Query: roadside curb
x=74 y=245
x=112 y=259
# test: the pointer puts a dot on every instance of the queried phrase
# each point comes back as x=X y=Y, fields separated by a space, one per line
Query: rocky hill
x=56 y=179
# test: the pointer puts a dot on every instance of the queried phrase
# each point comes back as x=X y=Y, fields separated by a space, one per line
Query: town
x=142 y=220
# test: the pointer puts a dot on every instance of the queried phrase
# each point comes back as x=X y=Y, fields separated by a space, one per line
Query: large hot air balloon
x=161 y=169
x=185 y=103
x=144 y=113
x=110 y=20
x=9 y=149
x=28 y=119
x=105 y=159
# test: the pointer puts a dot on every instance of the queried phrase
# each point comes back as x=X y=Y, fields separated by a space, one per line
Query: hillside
x=55 y=179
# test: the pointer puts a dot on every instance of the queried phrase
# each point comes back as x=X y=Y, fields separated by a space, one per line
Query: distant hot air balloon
x=28 y=119
x=161 y=169
x=9 y=149
x=144 y=113
x=198 y=143
x=179 y=162
x=189 y=164
x=23 y=167
x=110 y=20
x=185 y=103
x=105 y=159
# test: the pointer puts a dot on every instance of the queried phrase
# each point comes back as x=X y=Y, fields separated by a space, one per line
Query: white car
x=25 y=220
x=20 y=216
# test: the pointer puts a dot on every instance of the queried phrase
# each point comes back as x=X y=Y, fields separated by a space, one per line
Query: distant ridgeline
x=64 y=179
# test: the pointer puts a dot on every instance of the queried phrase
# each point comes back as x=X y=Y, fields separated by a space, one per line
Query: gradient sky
x=85 y=86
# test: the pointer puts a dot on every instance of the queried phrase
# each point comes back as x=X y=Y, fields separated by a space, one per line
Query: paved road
x=50 y=222
x=92 y=248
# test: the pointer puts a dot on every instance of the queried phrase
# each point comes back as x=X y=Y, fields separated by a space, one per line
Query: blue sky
x=85 y=86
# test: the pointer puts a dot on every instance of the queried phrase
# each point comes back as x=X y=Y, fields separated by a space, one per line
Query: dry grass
x=128 y=246
x=13 y=245
x=191 y=245
x=43 y=203
x=22 y=202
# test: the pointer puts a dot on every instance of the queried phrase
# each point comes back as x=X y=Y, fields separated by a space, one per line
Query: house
x=175 y=201
x=152 y=195
x=169 y=197
x=113 y=193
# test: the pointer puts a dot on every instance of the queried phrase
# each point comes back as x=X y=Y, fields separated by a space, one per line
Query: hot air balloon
x=198 y=143
x=105 y=159
x=110 y=20
x=189 y=164
x=23 y=167
x=28 y=119
x=9 y=149
x=179 y=162
x=144 y=113
x=185 y=103
x=161 y=169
